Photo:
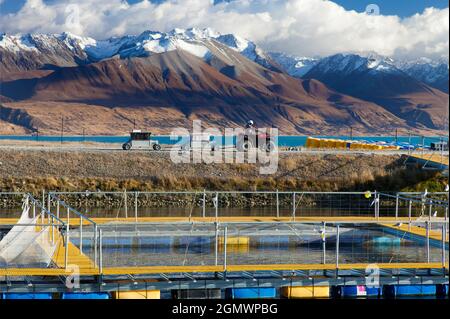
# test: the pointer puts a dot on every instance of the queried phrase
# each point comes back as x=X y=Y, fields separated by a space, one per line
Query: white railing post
x=101 y=251
x=216 y=248
x=375 y=204
x=427 y=224
x=81 y=234
x=217 y=206
x=126 y=203
x=324 y=252
x=204 y=204
x=66 y=246
x=95 y=246
x=136 y=206
x=409 y=215
x=225 y=235
x=444 y=235
x=293 y=206
x=278 y=205
x=430 y=210
x=337 y=246
x=396 y=206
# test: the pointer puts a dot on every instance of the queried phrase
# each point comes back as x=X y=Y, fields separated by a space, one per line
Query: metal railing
x=333 y=238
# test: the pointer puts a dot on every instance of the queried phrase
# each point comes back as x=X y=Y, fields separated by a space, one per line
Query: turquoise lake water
x=283 y=140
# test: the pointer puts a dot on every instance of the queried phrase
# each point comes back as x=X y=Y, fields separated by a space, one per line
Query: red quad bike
x=251 y=138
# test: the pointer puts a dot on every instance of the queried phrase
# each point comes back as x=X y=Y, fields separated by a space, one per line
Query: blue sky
x=412 y=28
x=402 y=8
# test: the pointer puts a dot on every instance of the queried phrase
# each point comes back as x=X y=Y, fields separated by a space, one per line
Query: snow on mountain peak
x=16 y=43
x=294 y=65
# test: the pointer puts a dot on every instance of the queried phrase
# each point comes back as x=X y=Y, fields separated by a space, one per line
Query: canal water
x=283 y=140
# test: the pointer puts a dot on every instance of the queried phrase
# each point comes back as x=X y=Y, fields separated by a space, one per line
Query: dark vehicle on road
x=141 y=140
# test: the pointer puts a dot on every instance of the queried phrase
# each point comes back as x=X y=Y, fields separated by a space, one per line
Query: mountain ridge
x=191 y=74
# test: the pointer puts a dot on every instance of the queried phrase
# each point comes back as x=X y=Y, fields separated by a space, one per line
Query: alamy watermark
x=236 y=146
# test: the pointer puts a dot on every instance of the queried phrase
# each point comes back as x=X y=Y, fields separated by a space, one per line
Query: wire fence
x=76 y=237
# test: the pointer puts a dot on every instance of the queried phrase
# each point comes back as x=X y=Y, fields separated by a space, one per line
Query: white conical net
x=27 y=244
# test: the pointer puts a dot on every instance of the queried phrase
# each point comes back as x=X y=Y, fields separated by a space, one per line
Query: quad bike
x=251 y=138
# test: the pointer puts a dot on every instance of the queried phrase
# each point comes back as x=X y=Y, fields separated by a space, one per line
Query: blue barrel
x=27 y=296
x=85 y=295
x=409 y=290
x=250 y=293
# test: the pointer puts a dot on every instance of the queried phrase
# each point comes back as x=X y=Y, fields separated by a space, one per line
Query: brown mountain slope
x=225 y=90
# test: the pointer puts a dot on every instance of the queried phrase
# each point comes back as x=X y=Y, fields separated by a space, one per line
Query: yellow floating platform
x=235 y=241
x=243 y=219
x=141 y=294
x=419 y=231
x=305 y=292
x=191 y=269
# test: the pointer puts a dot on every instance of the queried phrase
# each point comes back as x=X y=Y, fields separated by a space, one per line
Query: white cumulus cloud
x=301 y=27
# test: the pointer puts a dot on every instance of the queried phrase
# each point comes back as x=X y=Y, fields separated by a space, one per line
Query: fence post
x=216 y=243
x=337 y=247
x=293 y=206
x=48 y=202
x=396 y=206
x=57 y=208
x=95 y=246
x=431 y=208
x=100 y=251
x=66 y=245
x=204 y=204
x=81 y=234
x=136 y=206
x=126 y=203
x=34 y=209
x=43 y=199
x=324 y=253
x=375 y=204
x=278 y=205
x=53 y=230
x=409 y=215
x=427 y=224
x=217 y=206
x=225 y=235
x=444 y=235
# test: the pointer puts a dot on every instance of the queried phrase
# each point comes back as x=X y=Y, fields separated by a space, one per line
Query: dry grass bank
x=31 y=170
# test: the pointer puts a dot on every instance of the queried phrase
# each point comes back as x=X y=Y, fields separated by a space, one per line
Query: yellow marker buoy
x=368 y=194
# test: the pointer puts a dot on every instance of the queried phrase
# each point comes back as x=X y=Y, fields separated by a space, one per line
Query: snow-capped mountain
x=195 y=41
x=350 y=63
x=433 y=73
x=295 y=66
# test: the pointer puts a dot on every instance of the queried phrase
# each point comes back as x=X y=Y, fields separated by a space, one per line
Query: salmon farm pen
x=207 y=244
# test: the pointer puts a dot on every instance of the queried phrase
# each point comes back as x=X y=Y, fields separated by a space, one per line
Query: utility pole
x=62 y=128
x=396 y=135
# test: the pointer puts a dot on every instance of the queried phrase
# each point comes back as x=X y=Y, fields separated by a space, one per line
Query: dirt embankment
x=32 y=171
